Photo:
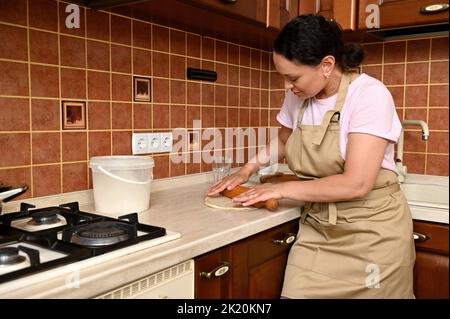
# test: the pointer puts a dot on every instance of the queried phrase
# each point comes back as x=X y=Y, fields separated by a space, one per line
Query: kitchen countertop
x=177 y=205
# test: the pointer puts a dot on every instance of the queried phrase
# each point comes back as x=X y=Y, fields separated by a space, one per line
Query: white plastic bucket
x=121 y=183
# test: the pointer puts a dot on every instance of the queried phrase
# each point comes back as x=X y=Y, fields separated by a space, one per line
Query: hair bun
x=353 y=55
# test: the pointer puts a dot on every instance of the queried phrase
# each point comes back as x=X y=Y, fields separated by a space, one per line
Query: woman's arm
x=269 y=154
x=365 y=154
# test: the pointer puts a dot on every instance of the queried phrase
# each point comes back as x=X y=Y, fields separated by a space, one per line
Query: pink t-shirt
x=369 y=108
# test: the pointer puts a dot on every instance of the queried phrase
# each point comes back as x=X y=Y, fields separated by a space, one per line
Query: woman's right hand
x=229 y=182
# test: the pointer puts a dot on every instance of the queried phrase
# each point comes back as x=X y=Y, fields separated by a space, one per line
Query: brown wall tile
x=18 y=146
x=44 y=14
x=222 y=73
x=438 y=143
x=416 y=96
x=46 y=115
x=142 y=116
x=439 y=72
x=14 y=11
x=177 y=116
x=97 y=25
x=161 y=118
x=417 y=73
x=99 y=144
x=72 y=51
x=373 y=53
x=439 y=95
x=98 y=85
x=415 y=163
x=177 y=67
x=438 y=119
x=121 y=143
x=418 y=50
x=97 y=55
x=142 y=62
x=161 y=169
x=46 y=180
x=142 y=34
x=178 y=92
x=74 y=146
x=439 y=48
x=120 y=59
x=160 y=38
x=47 y=88
x=437 y=165
x=120 y=30
x=177 y=42
x=121 y=87
x=14 y=43
x=160 y=64
x=193 y=45
x=73 y=84
x=221 y=51
x=160 y=91
x=46 y=148
x=98 y=115
x=15 y=114
x=207 y=94
x=394 y=52
x=74 y=177
x=14 y=78
x=393 y=74
x=122 y=115
x=43 y=47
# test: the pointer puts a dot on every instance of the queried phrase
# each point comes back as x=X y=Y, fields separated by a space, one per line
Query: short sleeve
x=287 y=114
x=374 y=113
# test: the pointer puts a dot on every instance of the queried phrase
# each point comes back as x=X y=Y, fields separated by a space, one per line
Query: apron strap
x=342 y=93
x=301 y=112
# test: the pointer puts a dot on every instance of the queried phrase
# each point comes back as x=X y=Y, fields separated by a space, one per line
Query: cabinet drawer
x=271 y=243
x=436 y=239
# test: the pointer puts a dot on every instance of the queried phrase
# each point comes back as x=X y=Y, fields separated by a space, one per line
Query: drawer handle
x=420 y=237
x=434 y=8
x=216 y=272
x=286 y=241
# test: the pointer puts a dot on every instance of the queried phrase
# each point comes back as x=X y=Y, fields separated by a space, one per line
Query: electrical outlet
x=139 y=143
x=166 y=142
x=146 y=143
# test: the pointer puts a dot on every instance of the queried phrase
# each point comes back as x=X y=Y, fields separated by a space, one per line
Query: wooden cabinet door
x=431 y=278
x=254 y=10
x=211 y=280
x=259 y=262
x=401 y=13
x=343 y=11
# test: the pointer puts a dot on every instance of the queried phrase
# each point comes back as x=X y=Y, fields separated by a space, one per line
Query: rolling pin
x=270 y=204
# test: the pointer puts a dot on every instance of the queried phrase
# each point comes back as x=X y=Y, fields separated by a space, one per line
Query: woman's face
x=303 y=80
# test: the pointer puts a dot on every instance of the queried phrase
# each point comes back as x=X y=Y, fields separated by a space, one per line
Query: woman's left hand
x=259 y=193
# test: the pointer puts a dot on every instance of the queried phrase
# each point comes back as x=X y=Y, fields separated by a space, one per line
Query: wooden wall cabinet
x=431 y=267
x=250 y=268
x=402 y=13
x=343 y=11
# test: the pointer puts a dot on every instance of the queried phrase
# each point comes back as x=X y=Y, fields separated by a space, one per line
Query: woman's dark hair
x=308 y=38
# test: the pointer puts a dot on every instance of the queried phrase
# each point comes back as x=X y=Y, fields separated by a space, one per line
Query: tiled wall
x=43 y=63
x=416 y=73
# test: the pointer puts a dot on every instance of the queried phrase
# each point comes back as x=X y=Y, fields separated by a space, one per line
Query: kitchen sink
x=426 y=191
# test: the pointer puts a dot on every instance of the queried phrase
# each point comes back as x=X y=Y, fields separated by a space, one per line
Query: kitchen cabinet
x=343 y=11
x=403 y=13
x=250 y=268
x=431 y=267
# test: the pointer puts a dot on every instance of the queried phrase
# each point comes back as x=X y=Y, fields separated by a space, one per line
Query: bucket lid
x=122 y=162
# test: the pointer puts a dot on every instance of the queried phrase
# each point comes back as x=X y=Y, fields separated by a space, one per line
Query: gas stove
x=34 y=240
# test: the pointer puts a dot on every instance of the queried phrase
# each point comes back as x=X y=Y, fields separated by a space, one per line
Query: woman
x=338 y=134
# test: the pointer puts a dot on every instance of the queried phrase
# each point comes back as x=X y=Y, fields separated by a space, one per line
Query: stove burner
x=10 y=256
x=44 y=218
x=101 y=234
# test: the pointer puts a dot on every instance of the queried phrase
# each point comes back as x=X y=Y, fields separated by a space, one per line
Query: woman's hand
x=229 y=182
x=259 y=193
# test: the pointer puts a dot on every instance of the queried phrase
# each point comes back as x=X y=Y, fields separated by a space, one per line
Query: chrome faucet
x=399 y=160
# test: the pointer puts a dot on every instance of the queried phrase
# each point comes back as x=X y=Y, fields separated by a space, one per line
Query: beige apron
x=354 y=249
